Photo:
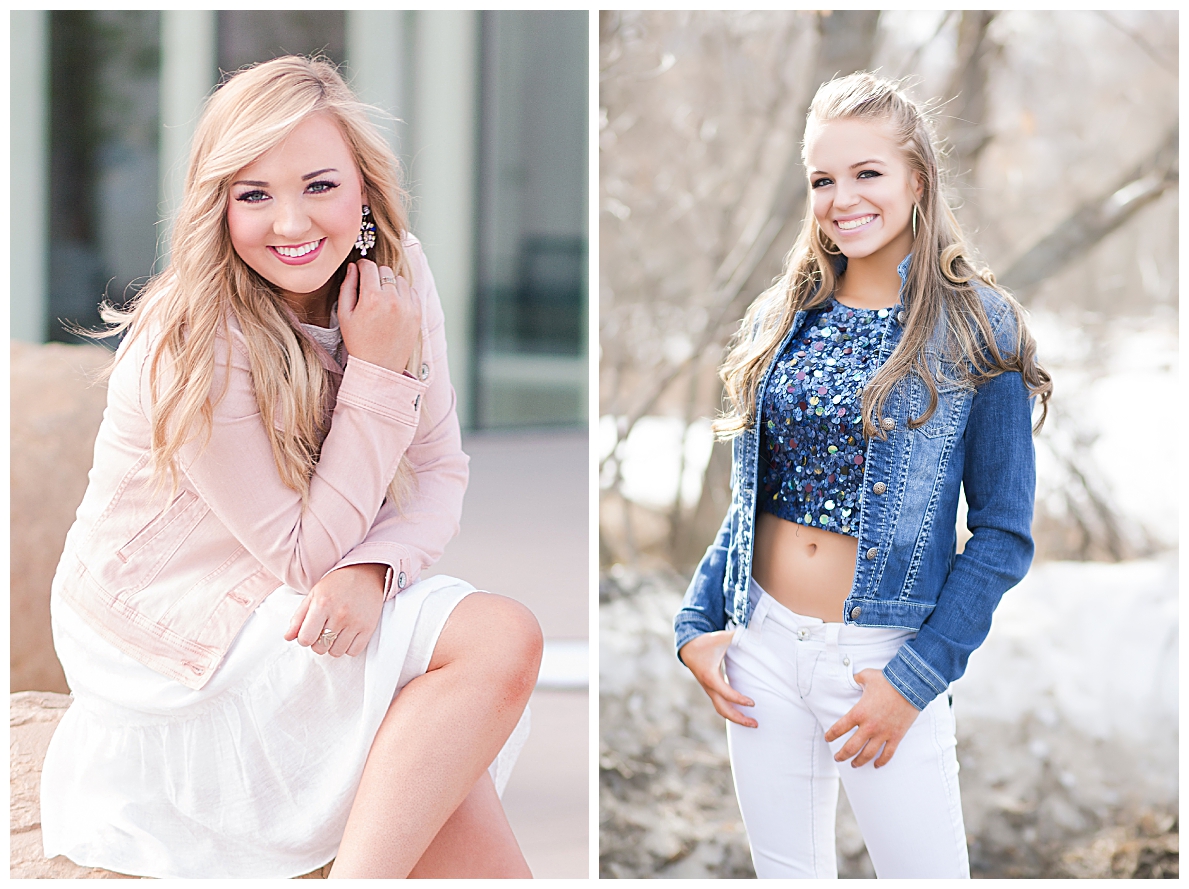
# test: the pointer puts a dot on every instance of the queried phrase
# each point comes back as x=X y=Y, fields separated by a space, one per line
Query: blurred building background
x=491 y=127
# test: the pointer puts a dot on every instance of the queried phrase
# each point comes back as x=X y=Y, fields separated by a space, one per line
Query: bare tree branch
x=1097 y=218
x=1150 y=51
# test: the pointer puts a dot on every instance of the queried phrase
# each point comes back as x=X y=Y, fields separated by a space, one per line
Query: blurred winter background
x=1063 y=129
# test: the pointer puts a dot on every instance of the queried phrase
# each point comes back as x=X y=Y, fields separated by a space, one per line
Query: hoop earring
x=821 y=237
x=367 y=233
x=914 y=220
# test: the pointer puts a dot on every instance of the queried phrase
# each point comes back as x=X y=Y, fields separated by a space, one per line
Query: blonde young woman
x=879 y=375
x=261 y=681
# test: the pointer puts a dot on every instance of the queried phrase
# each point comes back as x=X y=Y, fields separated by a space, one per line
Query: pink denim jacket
x=170 y=582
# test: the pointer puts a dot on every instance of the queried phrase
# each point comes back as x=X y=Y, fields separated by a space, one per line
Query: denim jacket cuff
x=913 y=678
x=689 y=625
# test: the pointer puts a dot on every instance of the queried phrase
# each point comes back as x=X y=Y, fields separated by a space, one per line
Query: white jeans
x=800 y=673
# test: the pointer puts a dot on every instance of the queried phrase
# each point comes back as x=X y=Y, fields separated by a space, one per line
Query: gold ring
x=328 y=637
x=391 y=281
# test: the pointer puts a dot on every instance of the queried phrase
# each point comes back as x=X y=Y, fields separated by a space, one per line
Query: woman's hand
x=704 y=655
x=346 y=601
x=883 y=716
x=379 y=316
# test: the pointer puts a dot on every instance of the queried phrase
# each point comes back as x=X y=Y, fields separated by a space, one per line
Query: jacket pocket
x=157 y=526
x=949 y=395
x=128 y=569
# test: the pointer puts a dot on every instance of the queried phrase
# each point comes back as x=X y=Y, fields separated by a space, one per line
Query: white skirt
x=252 y=775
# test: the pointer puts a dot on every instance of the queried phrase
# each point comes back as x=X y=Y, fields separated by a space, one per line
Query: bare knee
x=503 y=635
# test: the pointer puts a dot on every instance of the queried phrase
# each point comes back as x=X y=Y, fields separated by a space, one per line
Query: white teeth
x=294 y=252
x=855 y=223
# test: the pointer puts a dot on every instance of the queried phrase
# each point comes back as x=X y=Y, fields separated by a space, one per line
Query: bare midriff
x=807 y=570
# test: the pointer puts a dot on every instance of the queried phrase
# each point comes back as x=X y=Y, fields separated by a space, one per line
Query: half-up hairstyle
x=939 y=294
x=189 y=304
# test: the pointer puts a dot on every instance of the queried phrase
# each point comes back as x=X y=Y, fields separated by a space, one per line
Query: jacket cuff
x=400 y=566
x=913 y=678
x=390 y=393
x=689 y=625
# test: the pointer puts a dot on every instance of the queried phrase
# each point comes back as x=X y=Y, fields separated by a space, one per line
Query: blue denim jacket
x=907 y=572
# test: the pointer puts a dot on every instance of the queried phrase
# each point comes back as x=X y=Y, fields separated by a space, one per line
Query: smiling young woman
x=879 y=376
x=278 y=463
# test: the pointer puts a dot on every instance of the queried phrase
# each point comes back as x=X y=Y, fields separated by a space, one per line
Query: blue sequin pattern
x=811 y=443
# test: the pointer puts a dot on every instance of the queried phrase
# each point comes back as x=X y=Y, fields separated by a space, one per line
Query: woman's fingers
x=842 y=726
x=714 y=683
x=298 y=618
x=725 y=710
x=886 y=757
x=359 y=644
x=349 y=291
x=369 y=277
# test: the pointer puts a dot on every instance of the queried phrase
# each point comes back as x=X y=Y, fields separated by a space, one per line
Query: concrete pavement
x=524 y=534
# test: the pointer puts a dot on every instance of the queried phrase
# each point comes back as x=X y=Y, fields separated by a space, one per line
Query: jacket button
x=901 y=316
x=887 y=423
x=855 y=612
x=401 y=580
x=879 y=487
x=424 y=372
x=871 y=554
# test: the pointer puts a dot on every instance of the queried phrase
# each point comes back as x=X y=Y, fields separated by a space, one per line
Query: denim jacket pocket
x=949 y=399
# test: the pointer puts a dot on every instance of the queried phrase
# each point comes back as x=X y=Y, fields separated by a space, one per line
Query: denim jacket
x=907 y=571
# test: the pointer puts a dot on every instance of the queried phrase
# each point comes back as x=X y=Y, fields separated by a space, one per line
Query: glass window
x=531 y=235
x=247 y=36
x=103 y=161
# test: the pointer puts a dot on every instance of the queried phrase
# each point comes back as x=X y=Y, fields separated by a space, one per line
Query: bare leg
x=475 y=842
x=436 y=742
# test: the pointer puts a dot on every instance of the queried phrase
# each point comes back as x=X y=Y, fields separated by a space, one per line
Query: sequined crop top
x=811 y=437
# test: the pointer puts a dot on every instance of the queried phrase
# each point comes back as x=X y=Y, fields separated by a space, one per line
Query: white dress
x=252 y=775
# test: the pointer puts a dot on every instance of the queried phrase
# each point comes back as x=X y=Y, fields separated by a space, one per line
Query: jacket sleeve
x=410 y=536
x=703 y=610
x=999 y=480
x=233 y=471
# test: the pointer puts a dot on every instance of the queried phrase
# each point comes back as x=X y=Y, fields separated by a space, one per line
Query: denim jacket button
x=871 y=553
x=879 y=488
x=887 y=423
x=901 y=316
x=855 y=612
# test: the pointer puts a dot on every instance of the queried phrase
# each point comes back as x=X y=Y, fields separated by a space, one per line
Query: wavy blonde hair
x=939 y=291
x=189 y=305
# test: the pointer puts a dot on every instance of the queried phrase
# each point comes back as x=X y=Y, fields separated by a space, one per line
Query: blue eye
x=818 y=183
x=322 y=186
x=869 y=174
x=252 y=197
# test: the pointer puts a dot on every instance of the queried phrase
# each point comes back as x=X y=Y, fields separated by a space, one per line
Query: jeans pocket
x=848 y=671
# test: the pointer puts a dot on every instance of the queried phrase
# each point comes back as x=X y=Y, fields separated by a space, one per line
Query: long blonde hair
x=939 y=293
x=189 y=304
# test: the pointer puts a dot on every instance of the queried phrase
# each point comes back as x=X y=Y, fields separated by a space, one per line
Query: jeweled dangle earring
x=914 y=220
x=367 y=233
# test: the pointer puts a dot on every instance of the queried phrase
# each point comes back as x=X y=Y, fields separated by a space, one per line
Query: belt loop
x=832 y=629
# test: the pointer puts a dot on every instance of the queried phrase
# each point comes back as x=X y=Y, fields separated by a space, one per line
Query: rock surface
x=57 y=402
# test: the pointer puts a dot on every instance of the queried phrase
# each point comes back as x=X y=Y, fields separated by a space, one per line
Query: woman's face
x=294 y=213
x=862 y=188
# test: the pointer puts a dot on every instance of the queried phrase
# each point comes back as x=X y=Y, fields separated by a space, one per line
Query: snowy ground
x=1067 y=734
